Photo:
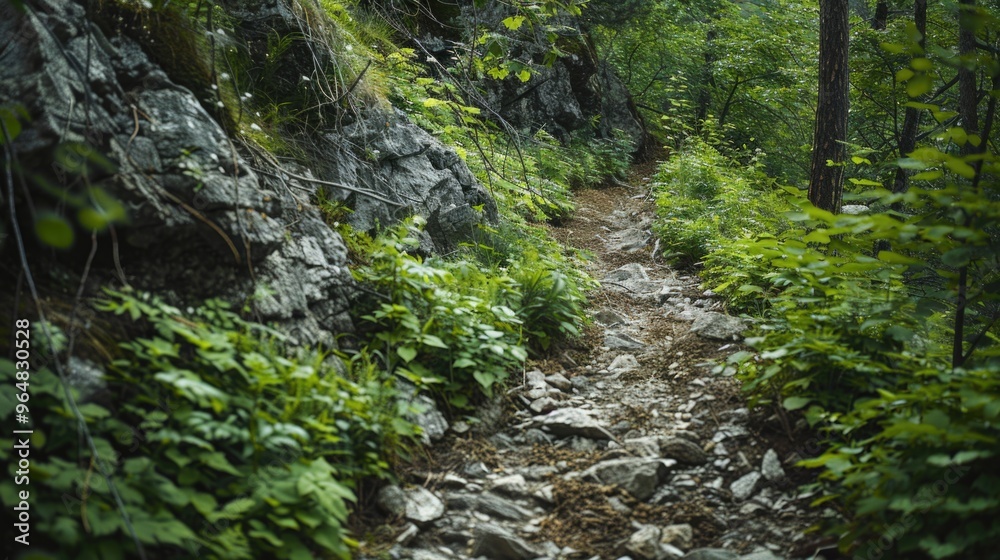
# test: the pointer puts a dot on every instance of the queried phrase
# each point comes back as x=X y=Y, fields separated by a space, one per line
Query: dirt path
x=628 y=445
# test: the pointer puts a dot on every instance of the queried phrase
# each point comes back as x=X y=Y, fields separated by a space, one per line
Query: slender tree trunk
x=705 y=95
x=968 y=113
x=881 y=15
x=908 y=136
x=826 y=183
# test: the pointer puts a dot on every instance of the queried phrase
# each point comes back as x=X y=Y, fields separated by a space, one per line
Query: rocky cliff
x=120 y=113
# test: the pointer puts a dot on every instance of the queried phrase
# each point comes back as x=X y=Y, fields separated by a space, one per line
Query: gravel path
x=633 y=444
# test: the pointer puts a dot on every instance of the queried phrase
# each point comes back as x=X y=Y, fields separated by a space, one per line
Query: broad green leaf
x=513 y=23
x=407 y=353
x=53 y=230
x=919 y=85
x=896 y=258
x=795 y=403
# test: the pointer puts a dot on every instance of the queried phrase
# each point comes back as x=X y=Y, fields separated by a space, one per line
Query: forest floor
x=631 y=442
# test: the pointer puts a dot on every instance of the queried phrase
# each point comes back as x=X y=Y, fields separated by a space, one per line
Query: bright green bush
x=220 y=443
x=866 y=347
x=705 y=200
x=457 y=327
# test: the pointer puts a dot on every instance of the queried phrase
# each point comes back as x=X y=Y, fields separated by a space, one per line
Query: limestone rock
x=710 y=554
x=567 y=422
x=645 y=543
x=417 y=504
x=637 y=476
x=624 y=362
x=559 y=381
x=680 y=535
x=743 y=487
x=497 y=543
x=682 y=450
x=718 y=326
x=770 y=466
x=760 y=555
x=622 y=341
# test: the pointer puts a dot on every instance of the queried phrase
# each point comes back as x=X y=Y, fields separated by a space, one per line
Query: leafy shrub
x=705 y=200
x=458 y=327
x=894 y=357
x=219 y=445
x=442 y=324
x=550 y=306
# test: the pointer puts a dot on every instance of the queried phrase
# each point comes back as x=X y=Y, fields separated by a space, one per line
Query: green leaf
x=957 y=257
x=795 y=403
x=895 y=258
x=53 y=230
x=919 y=85
x=407 y=353
x=513 y=23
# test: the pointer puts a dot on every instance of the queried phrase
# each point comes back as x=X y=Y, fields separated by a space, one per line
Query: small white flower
x=306 y=79
x=349 y=47
x=256 y=127
x=220 y=31
x=220 y=104
x=224 y=76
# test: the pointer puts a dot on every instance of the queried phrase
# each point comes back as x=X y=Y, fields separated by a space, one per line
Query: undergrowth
x=221 y=441
x=878 y=328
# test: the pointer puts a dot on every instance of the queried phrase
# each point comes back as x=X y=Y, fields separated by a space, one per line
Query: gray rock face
x=718 y=326
x=566 y=96
x=417 y=504
x=386 y=154
x=567 y=422
x=497 y=543
x=744 y=486
x=202 y=220
x=637 y=476
x=770 y=466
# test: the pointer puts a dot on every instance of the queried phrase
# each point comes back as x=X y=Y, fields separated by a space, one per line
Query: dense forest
x=656 y=279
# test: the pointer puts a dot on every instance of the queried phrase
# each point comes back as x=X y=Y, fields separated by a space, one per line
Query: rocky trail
x=632 y=444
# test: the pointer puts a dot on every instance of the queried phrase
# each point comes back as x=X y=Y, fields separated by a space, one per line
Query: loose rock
x=682 y=450
x=645 y=543
x=770 y=466
x=497 y=543
x=718 y=326
x=416 y=504
x=680 y=535
x=567 y=422
x=743 y=487
x=638 y=477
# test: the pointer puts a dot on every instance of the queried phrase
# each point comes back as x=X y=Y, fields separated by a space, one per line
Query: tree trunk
x=908 y=136
x=968 y=113
x=826 y=184
x=881 y=15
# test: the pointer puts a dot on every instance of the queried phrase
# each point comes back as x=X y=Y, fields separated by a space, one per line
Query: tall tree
x=908 y=136
x=826 y=182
